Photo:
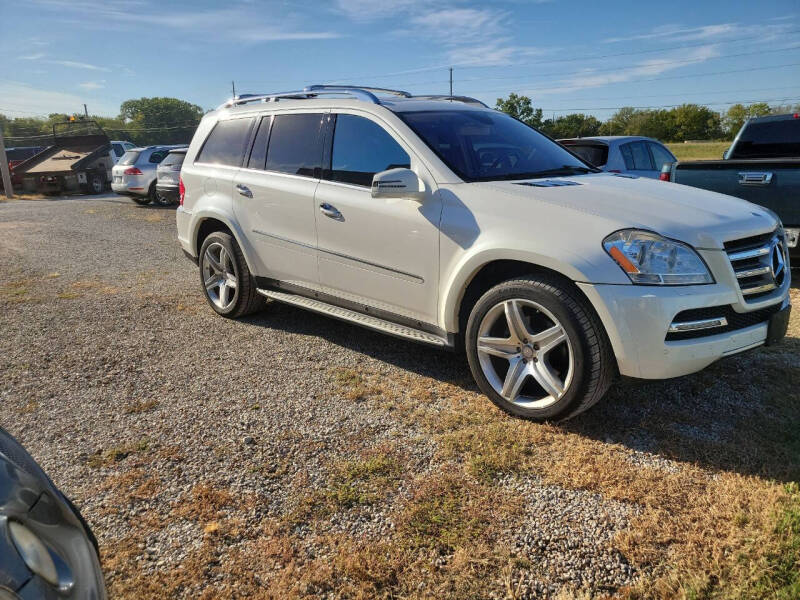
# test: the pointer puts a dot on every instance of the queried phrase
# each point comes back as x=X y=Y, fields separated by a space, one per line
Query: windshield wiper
x=562 y=170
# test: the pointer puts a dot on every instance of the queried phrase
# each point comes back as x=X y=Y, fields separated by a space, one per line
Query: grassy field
x=699 y=150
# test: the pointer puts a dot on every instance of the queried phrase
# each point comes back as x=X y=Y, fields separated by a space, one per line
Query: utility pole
x=6 y=174
x=233 y=88
x=451 y=81
x=85 y=111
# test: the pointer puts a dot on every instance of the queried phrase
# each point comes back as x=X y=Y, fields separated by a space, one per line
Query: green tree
x=160 y=120
x=572 y=125
x=694 y=122
x=738 y=113
x=520 y=107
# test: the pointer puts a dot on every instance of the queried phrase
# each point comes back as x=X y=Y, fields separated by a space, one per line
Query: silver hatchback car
x=135 y=174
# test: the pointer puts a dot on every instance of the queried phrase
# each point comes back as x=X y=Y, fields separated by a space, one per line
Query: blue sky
x=568 y=56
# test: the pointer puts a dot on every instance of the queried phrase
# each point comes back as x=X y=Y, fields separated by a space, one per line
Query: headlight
x=33 y=552
x=648 y=258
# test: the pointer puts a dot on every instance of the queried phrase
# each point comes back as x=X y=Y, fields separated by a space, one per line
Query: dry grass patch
x=140 y=406
x=114 y=454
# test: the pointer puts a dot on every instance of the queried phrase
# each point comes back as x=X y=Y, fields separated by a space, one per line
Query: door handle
x=755 y=178
x=330 y=211
x=244 y=190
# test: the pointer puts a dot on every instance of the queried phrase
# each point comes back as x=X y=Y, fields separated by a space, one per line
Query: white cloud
x=31 y=100
x=76 y=65
x=719 y=31
x=36 y=56
x=645 y=69
x=242 y=22
x=93 y=85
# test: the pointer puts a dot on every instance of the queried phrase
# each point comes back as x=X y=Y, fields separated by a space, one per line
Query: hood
x=698 y=217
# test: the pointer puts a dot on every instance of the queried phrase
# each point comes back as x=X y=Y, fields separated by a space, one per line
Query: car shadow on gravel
x=738 y=415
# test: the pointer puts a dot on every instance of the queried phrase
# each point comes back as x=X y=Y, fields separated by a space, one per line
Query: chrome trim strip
x=283 y=239
x=754 y=253
x=697 y=325
x=390 y=270
x=759 y=289
x=753 y=272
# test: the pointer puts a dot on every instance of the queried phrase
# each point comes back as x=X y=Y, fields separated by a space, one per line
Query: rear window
x=174 y=158
x=226 y=143
x=774 y=139
x=295 y=145
x=129 y=158
x=595 y=154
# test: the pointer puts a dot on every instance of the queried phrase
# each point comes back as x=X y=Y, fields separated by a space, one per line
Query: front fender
x=574 y=267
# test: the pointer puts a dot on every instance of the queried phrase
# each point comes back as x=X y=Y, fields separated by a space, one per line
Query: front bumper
x=637 y=319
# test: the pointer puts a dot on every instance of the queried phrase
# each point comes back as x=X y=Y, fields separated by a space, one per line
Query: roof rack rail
x=367 y=94
x=312 y=91
x=464 y=99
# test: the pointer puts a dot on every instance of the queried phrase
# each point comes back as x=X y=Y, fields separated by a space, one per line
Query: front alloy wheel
x=537 y=349
x=525 y=353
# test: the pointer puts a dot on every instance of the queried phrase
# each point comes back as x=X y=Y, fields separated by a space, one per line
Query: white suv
x=442 y=221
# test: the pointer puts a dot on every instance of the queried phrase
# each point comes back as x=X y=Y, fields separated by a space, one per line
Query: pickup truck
x=762 y=166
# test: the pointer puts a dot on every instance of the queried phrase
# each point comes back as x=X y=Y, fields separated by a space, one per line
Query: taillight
x=663 y=176
x=181 y=190
x=666 y=171
x=133 y=171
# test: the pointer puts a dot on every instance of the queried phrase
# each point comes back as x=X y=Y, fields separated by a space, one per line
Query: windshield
x=128 y=158
x=487 y=146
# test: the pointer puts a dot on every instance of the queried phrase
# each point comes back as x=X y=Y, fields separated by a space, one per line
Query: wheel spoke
x=212 y=282
x=223 y=293
x=223 y=259
x=213 y=262
x=547 y=379
x=549 y=339
x=231 y=281
x=502 y=347
x=515 y=377
x=516 y=320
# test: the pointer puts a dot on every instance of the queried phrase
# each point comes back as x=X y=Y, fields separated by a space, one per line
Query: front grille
x=759 y=262
x=735 y=320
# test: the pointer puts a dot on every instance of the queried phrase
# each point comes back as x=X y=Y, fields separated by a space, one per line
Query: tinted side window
x=660 y=155
x=362 y=148
x=118 y=149
x=636 y=156
x=770 y=139
x=225 y=144
x=258 y=155
x=594 y=154
x=295 y=145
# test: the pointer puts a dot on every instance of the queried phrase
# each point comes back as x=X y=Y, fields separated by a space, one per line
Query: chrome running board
x=369 y=321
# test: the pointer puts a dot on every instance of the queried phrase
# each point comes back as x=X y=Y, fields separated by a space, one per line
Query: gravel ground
x=131 y=393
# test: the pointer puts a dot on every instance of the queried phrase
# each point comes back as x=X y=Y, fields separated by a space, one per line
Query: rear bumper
x=168 y=191
x=637 y=318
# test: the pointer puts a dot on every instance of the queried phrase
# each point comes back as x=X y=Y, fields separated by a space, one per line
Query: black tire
x=161 y=200
x=246 y=299
x=594 y=365
x=141 y=200
x=95 y=184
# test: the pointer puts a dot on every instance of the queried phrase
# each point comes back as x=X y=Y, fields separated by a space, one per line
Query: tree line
x=144 y=121
x=681 y=123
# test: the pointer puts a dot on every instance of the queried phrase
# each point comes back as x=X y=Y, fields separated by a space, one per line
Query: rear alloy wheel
x=538 y=350
x=227 y=282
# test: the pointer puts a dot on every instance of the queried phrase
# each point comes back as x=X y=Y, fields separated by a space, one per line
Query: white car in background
x=445 y=222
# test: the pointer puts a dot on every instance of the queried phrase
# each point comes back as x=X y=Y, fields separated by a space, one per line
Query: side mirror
x=397 y=183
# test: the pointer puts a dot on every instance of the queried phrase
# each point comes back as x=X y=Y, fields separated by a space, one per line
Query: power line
x=690 y=76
